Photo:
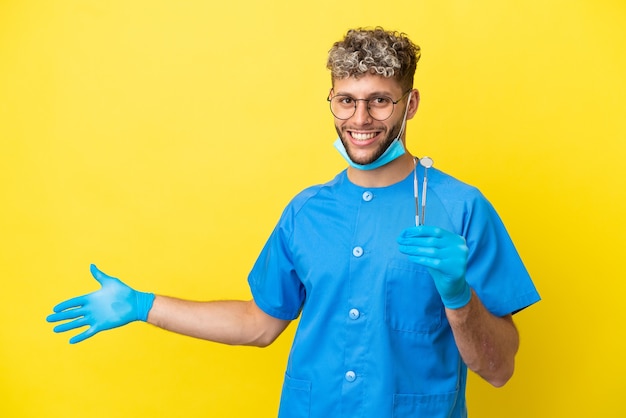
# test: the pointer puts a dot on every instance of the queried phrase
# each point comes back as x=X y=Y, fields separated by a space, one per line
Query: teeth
x=363 y=137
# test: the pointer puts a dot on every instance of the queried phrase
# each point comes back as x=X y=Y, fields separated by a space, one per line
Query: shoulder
x=449 y=187
x=318 y=191
x=462 y=206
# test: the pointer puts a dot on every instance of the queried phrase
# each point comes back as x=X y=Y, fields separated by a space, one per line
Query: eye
x=345 y=100
x=380 y=101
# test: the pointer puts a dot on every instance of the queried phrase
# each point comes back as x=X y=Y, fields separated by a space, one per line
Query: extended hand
x=114 y=305
x=445 y=255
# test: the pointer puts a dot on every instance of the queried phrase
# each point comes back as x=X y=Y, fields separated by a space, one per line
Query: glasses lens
x=342 y=107
x=380 y=108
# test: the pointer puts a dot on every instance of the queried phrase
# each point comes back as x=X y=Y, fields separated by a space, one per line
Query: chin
x=363 y=160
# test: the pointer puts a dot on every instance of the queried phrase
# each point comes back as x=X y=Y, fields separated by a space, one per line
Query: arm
x=487 y=343
x=231 y=322
x=116 y=304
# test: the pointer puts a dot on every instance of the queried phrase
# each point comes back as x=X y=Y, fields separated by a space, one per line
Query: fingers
x=64 y=315
x=422 y=231
x=68 y=326
x=76 y=311
x=435 y=248
x=79 y=321
x=70 y=304
x=423 y=249
x=431 y=235
x=79 y=301
x=98 y=275
x=83 y=335
x=431 y=256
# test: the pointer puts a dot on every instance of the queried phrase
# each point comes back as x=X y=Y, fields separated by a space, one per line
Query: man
x=391 y=314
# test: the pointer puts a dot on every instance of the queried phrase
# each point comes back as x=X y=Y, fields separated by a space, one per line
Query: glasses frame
x=356 y=103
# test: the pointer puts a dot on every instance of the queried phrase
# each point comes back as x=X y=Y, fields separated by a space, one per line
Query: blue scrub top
x=373 y=339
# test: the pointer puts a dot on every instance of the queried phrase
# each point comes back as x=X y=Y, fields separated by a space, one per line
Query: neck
x=383 y=176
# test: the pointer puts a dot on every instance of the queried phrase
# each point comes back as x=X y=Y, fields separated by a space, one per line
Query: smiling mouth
x=363 y=136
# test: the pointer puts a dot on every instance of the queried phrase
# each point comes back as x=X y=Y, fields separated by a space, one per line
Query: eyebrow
x=373 y=94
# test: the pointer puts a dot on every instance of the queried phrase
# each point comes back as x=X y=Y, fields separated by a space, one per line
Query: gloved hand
x=445 y=255
x=114 y=305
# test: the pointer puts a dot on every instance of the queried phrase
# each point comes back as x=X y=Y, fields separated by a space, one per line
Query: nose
x=361 y=114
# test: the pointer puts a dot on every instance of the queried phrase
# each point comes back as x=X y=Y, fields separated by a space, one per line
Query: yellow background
x=161 y=140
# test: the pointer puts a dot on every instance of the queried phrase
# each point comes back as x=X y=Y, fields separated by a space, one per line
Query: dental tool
x=427 y=163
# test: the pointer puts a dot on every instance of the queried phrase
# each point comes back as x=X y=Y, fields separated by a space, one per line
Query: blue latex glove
x=445 y=255
x=114 y=305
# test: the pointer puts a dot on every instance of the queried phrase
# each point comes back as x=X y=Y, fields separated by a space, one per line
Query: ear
x=414 y=104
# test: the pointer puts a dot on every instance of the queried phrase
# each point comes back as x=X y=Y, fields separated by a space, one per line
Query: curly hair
x=374 y=51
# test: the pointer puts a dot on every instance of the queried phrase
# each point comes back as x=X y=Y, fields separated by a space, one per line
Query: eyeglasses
x=379 y=107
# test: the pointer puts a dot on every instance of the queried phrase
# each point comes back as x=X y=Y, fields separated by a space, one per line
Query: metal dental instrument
x=427 y=163
x=415 y=192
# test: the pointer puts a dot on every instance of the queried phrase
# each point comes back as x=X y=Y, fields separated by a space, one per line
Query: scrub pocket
x=431 y=406
x=412 y=303
x=295 y=400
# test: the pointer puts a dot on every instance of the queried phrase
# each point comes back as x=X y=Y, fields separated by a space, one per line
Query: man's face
x=365 y=138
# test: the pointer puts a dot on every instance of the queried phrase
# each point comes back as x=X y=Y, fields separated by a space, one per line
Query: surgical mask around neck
x=393 y=151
